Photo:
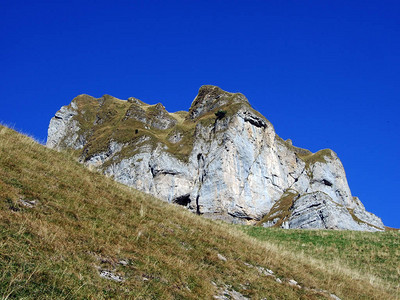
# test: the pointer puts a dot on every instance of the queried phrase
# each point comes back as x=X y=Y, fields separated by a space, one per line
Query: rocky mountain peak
x=212 y=97
x=222 y=159
x=159 y=118
x=135 y=100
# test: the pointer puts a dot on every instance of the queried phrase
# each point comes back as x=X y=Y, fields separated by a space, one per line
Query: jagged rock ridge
x=221 y=159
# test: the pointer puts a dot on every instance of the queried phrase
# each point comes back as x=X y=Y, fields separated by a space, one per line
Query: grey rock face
x=211 y=97
x=175 y=137
x=102 y=157
x=237 y=168
x=156 y=116
x=63 y=128
x=317 y=210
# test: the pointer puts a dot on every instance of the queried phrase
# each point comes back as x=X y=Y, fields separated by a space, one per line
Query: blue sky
x=325 y=73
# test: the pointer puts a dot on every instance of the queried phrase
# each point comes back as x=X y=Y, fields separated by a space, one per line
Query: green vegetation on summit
x=134 y=122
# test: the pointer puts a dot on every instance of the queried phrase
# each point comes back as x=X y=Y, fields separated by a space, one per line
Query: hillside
x=375 y=254
x=68 y=232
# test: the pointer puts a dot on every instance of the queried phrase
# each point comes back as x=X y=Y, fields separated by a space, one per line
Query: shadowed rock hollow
x=221 y=159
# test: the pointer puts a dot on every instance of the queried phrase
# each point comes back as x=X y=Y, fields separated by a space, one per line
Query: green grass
x=84 y=222
x=281 y=209
x=376 y=253
x=319 y=156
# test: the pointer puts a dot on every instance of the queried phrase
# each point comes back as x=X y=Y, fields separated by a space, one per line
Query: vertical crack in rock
x=296 y=178
x=200 y=178
x=153 y=173
x=197 y=205
x=249 y=171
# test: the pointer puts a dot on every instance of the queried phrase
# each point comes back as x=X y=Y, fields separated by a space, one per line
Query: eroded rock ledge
x=221 y=159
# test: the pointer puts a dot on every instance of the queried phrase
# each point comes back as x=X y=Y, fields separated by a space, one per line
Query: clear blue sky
x=325 y=73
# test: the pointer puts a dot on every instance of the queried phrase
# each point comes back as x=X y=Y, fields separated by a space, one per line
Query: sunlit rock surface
x=221 y=159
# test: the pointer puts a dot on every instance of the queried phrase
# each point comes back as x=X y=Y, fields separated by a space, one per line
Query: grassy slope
x=375 y=253
x=84 y=221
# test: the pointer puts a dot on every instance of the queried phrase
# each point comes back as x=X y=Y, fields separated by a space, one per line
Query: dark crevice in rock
x=183 y=200
x=155 y=172
x=197 y=205
x=321 y=215
x=166 y=172
x=256 y=122
x=203 y=176
x=326 y=182
x=152 y=171
x=201 y=171
x=240 y=216
x=315 y=205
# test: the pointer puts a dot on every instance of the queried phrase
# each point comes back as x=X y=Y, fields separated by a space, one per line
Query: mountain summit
x=221 y=159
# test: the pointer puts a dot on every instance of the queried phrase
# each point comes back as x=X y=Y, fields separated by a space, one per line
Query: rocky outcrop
x=156 y=116
x=318 y=210
x=64 y=127
x=221 y=159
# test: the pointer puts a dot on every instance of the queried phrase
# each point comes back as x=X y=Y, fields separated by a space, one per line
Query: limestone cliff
x=221 y=159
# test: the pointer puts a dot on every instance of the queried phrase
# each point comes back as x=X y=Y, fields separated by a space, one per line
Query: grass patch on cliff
x=288 y=143
x=359 y=221
x=93 y=112
x=280 y=211
x=61 y=225
x=375 y=253
x=319 y=156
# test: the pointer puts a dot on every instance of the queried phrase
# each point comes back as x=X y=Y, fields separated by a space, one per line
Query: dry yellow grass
x=83 y=222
